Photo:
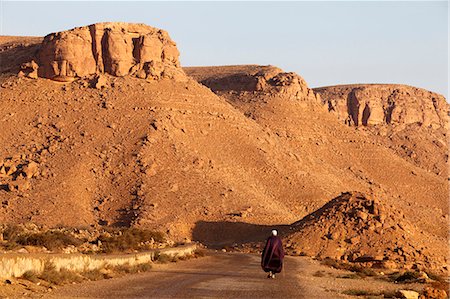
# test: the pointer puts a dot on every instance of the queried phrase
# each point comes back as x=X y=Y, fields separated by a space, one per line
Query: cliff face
x=118 y=49
x=366 y=105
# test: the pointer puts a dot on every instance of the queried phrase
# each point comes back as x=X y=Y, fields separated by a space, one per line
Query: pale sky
x=327 y=43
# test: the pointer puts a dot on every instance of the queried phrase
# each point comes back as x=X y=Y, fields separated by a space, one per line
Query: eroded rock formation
x=385 y=104
x=118 y=49
x=248 y=81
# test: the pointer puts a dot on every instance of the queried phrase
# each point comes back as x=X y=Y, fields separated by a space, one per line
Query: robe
x=272 y=255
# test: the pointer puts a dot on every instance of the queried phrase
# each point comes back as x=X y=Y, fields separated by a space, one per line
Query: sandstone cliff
x=117 y=49
x=374 y=104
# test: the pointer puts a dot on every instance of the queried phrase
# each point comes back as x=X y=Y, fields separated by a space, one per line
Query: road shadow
x=227 y=233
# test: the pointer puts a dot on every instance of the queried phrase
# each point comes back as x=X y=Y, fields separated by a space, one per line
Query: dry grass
x=63 y=276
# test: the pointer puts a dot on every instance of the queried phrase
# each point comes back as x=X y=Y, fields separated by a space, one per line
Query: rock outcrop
x=250 y=80
x=117 y=49
x=374 y=104
x=353 y=227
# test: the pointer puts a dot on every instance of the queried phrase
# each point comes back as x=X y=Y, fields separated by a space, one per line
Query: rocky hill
x=353 y=227
x=102 y=127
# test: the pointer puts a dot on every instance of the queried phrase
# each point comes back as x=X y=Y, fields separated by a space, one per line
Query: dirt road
x=221 y=275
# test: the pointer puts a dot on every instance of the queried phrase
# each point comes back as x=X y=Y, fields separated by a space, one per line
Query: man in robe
x=272 y=255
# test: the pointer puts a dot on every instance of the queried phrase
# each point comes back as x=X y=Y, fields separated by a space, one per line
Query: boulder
x=118 y=49
x=407 y=294
x=31 y=169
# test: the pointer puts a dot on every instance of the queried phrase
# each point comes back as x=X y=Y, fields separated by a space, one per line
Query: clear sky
x=327 y=43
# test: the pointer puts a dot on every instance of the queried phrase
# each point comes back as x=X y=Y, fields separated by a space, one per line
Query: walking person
x=272 y=255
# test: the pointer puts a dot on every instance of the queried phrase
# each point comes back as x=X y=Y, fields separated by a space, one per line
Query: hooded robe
x=272 y=255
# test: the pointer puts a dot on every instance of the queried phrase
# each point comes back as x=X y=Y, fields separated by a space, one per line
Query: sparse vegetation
x=199 y=252
x=129 y=269
x=359 y=271
x=163 y=258
x=349 y=276
x=60 y=277
x=129 y=239
x=111 y=240
x=31 y=276
x=51 y=240
x=319 y=273
x=95 y=274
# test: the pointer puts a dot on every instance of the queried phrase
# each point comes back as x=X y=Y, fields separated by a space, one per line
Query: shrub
x=319 y=273
x=128 y=239
x=199 y=252
x=30 y=276
x=12 y=232
x=144 y=267
x=128 y=269
x=408 y=276
x=52 y=240
x=163 y=258
x=350 y=276
x=53 y=276
x=94 y=275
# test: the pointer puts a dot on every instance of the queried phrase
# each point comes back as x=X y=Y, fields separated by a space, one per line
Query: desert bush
x=367 y=272
x=128 y=269
x=144 y=267
x=51 y=240
x=319 y=273
x=128 y=239
x=350 y=276
x=31 y=276
x=199 y=252
x=95 y=275
x=340 y=265
x=12 y=232
x=53 y=276
x=405 y=277
x=163 y=258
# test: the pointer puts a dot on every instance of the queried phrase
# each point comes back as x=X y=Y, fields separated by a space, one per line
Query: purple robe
x=272 y=255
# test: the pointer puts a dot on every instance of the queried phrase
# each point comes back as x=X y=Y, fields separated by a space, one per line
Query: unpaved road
x=220 y=275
